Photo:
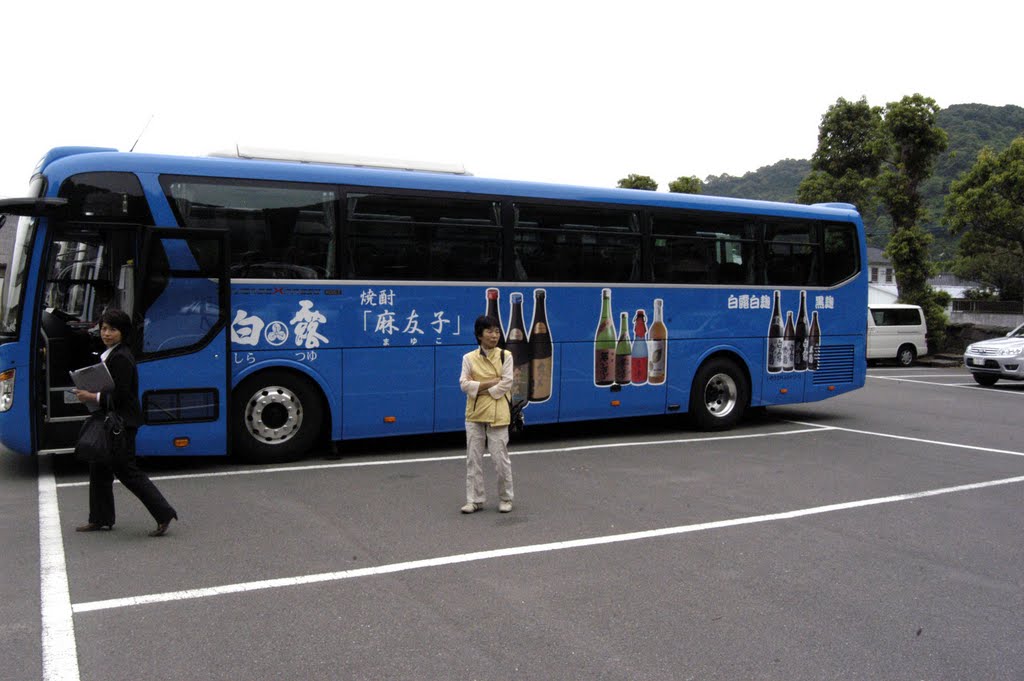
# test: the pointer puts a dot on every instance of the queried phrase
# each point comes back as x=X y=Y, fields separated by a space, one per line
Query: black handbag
x=101 y=438
x=516 y=420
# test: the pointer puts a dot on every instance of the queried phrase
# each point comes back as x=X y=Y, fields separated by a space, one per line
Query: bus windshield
x=14 y=277
x=11 y=296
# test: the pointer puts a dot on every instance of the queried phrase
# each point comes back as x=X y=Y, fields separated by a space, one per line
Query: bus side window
x=422 y=237
x=841 y=250
x=277 y=231
x=573 y=243
x=791 y=253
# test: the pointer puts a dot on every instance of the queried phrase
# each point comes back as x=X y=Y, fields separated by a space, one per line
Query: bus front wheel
x=720 y=394
x=276 y=417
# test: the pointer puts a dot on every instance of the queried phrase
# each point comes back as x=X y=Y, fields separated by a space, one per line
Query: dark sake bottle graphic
x=776 y=331
x=788 y=343
x=802 y=329
x=638 y=361
x=813 y=343
x=623 y=352
x=517 y=345
x=493 y=311
x=657 y=366
x=604 y=343
x=540 y=350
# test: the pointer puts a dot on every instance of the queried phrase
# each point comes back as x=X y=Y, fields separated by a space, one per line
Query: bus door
x=183 y=345
x=86 y=268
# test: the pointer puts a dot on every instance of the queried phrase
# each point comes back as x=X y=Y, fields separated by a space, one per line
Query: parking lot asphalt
x=873 y=536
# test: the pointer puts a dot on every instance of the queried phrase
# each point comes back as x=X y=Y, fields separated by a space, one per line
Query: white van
x=896 y=332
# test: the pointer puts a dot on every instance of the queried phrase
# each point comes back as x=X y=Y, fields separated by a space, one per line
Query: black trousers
x=101 y=487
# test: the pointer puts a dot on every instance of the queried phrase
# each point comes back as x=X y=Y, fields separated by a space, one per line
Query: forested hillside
x=970 y=128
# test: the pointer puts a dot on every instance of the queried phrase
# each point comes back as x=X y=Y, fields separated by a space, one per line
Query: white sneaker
x=504 y=507
x=471 y=507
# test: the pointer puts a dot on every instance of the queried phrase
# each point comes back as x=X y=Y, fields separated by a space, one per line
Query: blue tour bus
x=283 y=303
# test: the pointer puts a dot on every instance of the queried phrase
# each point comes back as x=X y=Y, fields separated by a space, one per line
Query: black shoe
x=161 y=528
x=93 y=527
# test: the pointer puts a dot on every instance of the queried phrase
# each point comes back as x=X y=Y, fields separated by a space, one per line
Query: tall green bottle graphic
x=604 y=343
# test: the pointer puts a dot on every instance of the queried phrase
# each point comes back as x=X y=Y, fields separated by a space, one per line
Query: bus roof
x=62 y=162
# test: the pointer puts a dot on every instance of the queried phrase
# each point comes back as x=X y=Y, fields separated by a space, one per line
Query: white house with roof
x=882 y=280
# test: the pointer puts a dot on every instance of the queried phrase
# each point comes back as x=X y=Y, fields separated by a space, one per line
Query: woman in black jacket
x=123 y=400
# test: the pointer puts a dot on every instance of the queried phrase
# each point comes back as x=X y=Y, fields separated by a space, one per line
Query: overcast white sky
x=574 y=92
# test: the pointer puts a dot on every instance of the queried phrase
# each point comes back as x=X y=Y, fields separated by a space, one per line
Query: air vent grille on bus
x=835 y=365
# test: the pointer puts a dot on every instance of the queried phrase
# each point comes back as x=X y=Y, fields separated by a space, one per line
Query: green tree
x=634 y=181
x=986 y=208
x=913 y=142
x=686 y=185
x=851 y=145
x=865 y=153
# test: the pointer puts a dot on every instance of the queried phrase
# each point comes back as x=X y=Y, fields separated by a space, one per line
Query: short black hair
x=119 y=320
x=482 y=323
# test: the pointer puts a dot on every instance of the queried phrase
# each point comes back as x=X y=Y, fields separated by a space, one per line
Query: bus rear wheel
x=276 y=416
x=719 y=395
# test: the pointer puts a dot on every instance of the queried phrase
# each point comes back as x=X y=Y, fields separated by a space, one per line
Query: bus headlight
x=6 y=389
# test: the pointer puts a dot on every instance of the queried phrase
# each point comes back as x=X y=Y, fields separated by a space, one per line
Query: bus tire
x=276 y=416
x=719 y=395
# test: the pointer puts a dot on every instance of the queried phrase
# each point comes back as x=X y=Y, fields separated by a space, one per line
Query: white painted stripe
x=941 y=443
x=60 y=654
x=968 y=386
x=892 y=376
x=460 y=457
x=189 y=594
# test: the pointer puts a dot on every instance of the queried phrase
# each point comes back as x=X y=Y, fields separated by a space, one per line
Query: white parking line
x=956 y=375
x=190 y=594
x=460 y=457
x=968 y=386
x=941 y=443
x=60 y=654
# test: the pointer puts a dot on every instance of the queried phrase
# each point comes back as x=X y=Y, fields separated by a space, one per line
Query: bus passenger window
x=277 y=231
x=570 y=243
x=422 y=237
x=841 y=250
x=792 y=253
x=700 y=248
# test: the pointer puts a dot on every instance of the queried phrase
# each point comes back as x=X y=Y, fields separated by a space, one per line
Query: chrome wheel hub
x=720 y=395
x=273 y=415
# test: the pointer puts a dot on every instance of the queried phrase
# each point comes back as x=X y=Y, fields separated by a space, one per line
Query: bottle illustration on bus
x=516 y=343
x=541 y=349
x=813 y=343
x=532 y=352
x=776 y=331
x=492 y=310
x=638 y=360
x=800 y=349
x=623 y=352
x=657 y=367
x=796 y=344
x=620 y=360
x=604 y=343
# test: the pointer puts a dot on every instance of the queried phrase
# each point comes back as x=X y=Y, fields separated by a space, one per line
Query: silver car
x=990 y=360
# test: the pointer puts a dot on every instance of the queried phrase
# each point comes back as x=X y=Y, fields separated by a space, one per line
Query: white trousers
x=481 y=436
